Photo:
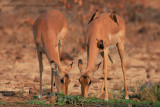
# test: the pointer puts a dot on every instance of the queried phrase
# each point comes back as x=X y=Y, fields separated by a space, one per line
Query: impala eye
x=67 y=76
x=85 y=76
x=79 y=80
x=62 y=81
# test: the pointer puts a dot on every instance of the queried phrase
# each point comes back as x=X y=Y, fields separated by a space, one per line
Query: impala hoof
x=106 y=99
x=127 y=98
x=40 y=96
x=52 y=94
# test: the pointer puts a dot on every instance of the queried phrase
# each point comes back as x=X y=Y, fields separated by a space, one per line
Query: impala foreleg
x=53 y=70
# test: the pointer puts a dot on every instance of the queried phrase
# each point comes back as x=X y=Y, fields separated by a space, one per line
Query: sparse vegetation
x=2 y=103
x=38 y=102
x=148 y=94
x=34 y=97
x=19 y=102
x=78 y=100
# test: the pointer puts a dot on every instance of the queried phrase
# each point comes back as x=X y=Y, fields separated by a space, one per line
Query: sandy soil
x=18 y=59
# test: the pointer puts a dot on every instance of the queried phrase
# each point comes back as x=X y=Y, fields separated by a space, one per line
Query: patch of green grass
x=35 y=97
x=157 y=104
x=145 y=96
x=75 y=100
x=157 y=91
x=38 y=102
x=19 y=102
x=78 y=100
x=2 y=102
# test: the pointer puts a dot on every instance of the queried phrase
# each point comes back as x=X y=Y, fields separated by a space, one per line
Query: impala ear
x=80 y=65
x=95 y=68
x=68 y=68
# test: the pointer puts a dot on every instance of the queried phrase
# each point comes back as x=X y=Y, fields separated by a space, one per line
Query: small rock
x=76 y=85
x=36 y=79
x=8 y=93
x=24 y=46
x=148 y=76
x=8 y=82
x=18 y=57
x=143 y=29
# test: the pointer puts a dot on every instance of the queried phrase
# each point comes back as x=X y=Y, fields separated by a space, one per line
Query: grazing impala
x=49 y=31
x=105 y=30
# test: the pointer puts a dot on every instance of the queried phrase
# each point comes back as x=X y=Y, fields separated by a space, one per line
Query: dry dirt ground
x=18 y=59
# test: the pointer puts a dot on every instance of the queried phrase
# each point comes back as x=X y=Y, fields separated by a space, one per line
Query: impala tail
x=100 y=44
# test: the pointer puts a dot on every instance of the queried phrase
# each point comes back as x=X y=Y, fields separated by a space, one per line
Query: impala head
x=62 y=79
x=86 y=77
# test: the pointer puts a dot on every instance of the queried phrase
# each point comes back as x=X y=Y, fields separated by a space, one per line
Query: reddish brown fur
x=42 y=33
x=85 y=78
x=103 y=28
x=49 y=31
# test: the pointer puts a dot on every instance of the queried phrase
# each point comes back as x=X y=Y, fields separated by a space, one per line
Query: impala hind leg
x=107 y=68
x=41 y=71
x=102 y=89
x=120 y=47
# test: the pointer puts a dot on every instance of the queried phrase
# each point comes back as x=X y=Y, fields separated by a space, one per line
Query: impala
x=103 y=31
x=49 y=31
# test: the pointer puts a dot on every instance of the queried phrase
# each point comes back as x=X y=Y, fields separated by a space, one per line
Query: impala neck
x=92 y=52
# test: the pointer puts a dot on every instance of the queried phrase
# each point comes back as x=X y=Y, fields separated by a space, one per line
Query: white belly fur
x=113 y=38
